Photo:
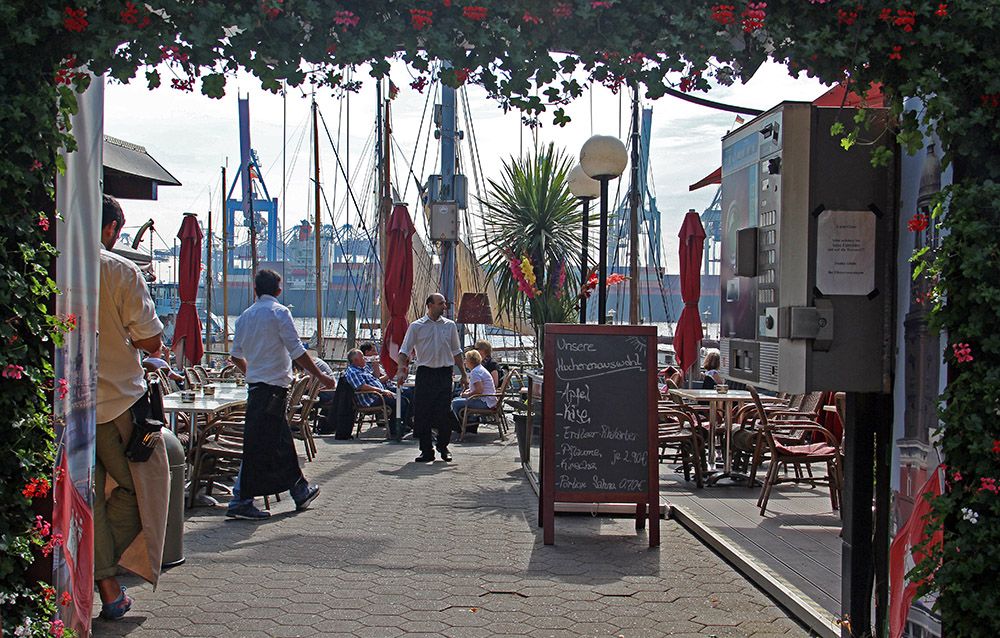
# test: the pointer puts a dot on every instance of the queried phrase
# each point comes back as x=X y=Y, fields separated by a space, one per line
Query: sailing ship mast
x=316 y=232
x=225 y=267
x=385 y=208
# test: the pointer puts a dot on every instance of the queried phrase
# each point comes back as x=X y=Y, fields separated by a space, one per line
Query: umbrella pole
x=602 y=261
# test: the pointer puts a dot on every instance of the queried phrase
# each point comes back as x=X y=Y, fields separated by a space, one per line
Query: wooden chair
x=300 y=417
x=495 y=414
x=217 y=455
x=377 y=414
x=679 y=430
x=202 y=374
x=782 y=455
x=191 y=378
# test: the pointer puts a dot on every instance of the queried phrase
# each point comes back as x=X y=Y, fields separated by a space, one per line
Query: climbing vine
x=944 y=52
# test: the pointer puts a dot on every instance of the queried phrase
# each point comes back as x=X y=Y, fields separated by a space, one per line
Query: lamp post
x=603 y=158
x=584 y=189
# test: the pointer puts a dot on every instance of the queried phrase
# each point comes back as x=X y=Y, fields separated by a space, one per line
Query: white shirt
x=266 y=337
x=481 y=374
x=435 y=342
x=126 y=312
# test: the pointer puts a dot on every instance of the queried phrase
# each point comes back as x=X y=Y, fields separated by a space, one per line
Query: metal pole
x=208 y=290
x=633 y=222
x=857 y=557
x=584 y=257
x=386 y=211
x=448 y=125
x=316 y=233
x=225 y=267
x=602 y=260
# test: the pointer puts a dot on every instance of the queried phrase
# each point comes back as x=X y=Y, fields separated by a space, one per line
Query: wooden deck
x=796 y=544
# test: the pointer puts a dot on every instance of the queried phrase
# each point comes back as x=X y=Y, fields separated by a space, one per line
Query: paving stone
x=393 y=548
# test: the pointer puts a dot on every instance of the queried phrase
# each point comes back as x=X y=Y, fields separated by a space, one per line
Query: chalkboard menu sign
x=599 y=420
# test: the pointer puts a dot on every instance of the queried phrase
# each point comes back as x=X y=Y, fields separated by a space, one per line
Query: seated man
x=157 y=360
x=372 y=363
x=362 y=380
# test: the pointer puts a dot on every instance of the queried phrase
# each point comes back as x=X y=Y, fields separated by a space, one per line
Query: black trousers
x=270 y=462
x=432 y=407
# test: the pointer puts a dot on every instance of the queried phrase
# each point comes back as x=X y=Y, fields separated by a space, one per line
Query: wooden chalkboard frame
x=647 y=502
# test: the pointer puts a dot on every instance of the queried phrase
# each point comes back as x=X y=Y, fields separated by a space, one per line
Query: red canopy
x=398 y=284
x=188 y=325
x=688 y=332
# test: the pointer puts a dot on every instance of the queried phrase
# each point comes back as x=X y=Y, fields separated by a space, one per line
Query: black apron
x=270 y=462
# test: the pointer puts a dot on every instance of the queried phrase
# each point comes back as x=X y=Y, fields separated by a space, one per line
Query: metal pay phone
x=807 y=255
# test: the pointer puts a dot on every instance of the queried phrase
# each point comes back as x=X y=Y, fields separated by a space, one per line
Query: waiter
x=433 y=341
x=264 y=345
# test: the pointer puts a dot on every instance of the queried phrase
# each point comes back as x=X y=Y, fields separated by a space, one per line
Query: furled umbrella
x=398 y=288
x=188 y=327
x=688 y=333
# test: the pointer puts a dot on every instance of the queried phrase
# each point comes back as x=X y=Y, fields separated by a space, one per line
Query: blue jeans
x=298 y=492
x=460 y=403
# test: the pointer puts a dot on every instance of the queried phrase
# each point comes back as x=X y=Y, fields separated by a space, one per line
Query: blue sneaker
x=117 y=608
x=247 y=513
x=310 y=495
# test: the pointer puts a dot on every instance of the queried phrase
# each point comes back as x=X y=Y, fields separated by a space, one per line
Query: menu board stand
x=599 y=421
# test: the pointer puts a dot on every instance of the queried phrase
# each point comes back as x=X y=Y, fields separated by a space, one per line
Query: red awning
x=715 y=177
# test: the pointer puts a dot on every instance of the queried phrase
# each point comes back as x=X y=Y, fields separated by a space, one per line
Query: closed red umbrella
x=688 y=332
x=188 y=326
x=398 y=284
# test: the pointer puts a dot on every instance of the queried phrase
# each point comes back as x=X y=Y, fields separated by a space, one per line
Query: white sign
x=845 y=252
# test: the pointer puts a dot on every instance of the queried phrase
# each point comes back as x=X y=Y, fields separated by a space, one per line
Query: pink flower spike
x=13 y=371
x=43 y=222
x=962 y=351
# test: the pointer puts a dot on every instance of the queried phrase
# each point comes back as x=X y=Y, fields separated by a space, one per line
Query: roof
x=132 y=173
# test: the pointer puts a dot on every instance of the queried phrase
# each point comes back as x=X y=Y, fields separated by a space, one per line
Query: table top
x=173 y=403
x=711 y=395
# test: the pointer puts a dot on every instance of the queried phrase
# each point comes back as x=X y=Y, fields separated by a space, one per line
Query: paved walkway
x=393 y=547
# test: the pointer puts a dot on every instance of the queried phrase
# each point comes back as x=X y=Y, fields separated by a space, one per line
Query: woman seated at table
x=480 y=382
x=711 y=366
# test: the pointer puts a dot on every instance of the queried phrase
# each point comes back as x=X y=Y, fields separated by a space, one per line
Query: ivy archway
x=945 y=52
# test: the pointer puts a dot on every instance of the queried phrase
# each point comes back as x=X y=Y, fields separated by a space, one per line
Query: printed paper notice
x=845 y=252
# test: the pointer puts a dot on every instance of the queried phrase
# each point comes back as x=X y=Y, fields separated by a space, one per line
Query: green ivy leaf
x=214 y=85
x=153 y=79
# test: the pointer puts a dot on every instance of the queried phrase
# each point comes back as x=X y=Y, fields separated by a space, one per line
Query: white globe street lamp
x=603 y=158
x=584 y=188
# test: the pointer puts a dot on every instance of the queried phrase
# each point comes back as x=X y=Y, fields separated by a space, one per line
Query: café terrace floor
x=792 y=552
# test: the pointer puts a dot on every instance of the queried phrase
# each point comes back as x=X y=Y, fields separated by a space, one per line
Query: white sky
x=193 y=136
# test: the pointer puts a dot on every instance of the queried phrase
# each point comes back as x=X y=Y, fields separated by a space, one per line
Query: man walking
x=264 y=345
x=130 y=521
x=433 y=341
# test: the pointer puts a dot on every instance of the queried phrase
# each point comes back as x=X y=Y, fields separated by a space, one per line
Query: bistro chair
x=202 y=374
x=218 y=455
x=782 y=455
x=678 y=430
x=377 y=415
x=495 y=414
x=300 y=416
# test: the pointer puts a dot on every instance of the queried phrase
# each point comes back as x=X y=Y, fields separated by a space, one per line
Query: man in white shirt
x=265 y=343
x=130 y=521
x=433 y=339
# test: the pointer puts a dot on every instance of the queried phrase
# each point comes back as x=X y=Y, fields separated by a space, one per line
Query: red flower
x=988 y=485
x=419 y=84
x=918 y=222
x=36 y=487
x=724 y=14
x=446 y=3
x=130 y=15
x=65 y=599
x=562 y=10
x=345 y=20
x=13 y=371
x=461 y=75
x=71 y=321
x=182 y=85
x=35 y=165
x=689 y=82
x=885 y=15
x=528 y=18
x=420 y=18
x=62 y=389
x=43 y=222
x=905 y=19
x=897 y=53
x=990 y=100
x=475 y=13
x=600 y=4
x=753 y=16
x=48 y=592
x=271 y=11
x=996 y=446
x=962 y=352
x=57 y=628
x=957 y=477
x=846 y=18
x=75 y=19
x=942 y=10
x=55 y=541
x=42 y=527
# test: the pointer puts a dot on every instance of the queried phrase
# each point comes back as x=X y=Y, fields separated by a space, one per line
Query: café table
x=717 y=402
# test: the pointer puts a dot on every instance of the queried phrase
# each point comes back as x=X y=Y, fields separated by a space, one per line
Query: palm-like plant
x=531 y=214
